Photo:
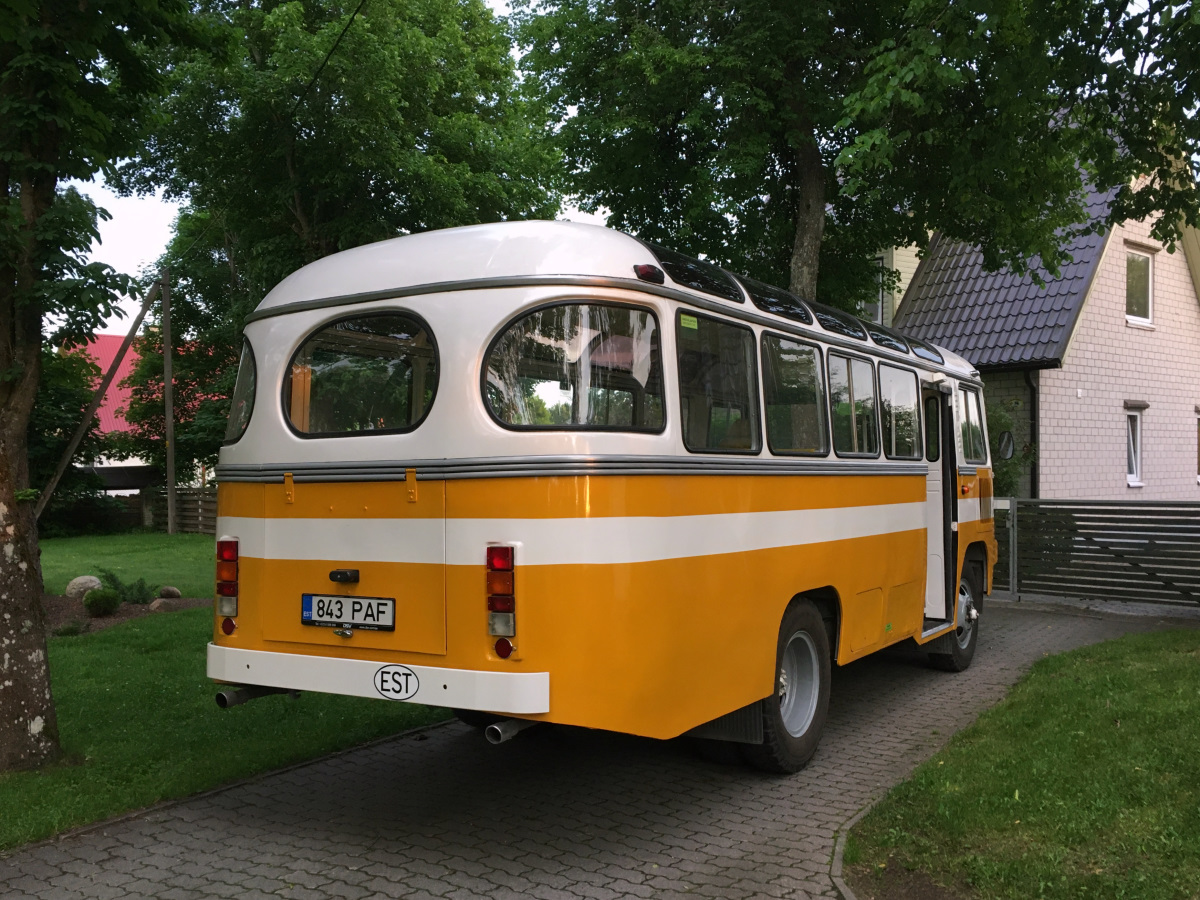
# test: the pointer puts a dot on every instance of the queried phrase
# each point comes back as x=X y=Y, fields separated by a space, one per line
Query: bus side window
x=718 y=386
x=852 y=396
x=795 y=397
x=933 y=428
x=898 y=409
x=974 y=446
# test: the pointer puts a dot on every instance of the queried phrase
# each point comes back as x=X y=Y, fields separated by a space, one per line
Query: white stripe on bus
x=569 y=541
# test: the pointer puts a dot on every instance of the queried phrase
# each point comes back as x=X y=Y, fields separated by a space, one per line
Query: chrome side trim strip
x=550 y=466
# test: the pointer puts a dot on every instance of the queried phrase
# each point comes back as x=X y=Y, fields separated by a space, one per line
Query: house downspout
x=1033 y=434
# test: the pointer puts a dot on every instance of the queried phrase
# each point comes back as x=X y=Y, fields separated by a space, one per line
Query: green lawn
x=139 y=725
x=186 y=561
x=1084 y=783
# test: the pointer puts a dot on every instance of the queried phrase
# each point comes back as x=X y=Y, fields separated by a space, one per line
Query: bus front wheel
x=956 y=650
x=794 y=716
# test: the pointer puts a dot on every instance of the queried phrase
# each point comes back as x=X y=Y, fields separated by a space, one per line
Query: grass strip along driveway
x=139 y=725
x=1084 y=783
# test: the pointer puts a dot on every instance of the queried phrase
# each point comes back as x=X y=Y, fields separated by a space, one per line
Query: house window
x=1133 y=448
x=1139 y=287
x=873 y=309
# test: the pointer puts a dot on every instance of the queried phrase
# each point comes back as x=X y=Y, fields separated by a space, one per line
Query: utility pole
x=168 y=397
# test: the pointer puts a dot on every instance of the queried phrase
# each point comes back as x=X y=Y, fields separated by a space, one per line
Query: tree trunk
x=28 y=725
x=810 y=221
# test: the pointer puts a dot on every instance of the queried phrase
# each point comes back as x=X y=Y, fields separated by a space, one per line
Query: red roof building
x=103 y=350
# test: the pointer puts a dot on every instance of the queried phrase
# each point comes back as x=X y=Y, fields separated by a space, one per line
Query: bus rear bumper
x=517 y=693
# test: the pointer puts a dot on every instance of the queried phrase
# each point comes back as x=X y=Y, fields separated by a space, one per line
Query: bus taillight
x=501 y=599
x=227 y=577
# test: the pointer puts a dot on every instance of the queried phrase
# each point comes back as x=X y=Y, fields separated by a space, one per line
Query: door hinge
x=289 y=488
x=410 y=481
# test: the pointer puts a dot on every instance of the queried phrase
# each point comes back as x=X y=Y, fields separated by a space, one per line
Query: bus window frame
x=571 y=429
x=873 y=363
x=756 y=394
x=285 y=381
x=824 y=400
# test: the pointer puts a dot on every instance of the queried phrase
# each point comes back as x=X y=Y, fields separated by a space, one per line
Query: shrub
x=137 y=592
x=101 y=602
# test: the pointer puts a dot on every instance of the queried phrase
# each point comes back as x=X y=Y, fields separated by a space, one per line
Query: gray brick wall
x=1082 y=414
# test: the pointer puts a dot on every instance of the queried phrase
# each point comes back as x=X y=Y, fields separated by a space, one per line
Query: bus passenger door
x=939 y=488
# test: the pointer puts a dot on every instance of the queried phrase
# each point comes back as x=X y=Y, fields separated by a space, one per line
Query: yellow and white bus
x=546 y=472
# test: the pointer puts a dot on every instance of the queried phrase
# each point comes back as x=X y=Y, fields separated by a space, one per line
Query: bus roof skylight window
x=776 y=300
x=696 y=274
x=925 y=351
x=578 y=366
x=368 y=374
x=839 y=322
x=885 y=337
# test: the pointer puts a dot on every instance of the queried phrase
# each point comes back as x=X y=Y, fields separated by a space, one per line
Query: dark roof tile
x=999 y=318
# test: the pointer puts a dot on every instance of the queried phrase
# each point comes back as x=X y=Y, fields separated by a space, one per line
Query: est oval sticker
x=396 y=682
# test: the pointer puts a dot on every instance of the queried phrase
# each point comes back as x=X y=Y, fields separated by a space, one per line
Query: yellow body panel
x=651 y=648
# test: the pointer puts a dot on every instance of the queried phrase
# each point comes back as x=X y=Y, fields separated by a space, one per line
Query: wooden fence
x=1118 y=550
x=195 y=510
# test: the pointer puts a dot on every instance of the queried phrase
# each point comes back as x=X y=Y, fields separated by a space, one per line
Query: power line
x=321 y=68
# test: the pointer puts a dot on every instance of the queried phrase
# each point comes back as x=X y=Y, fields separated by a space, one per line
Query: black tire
x=475 y=718
x=803 y=650
x=954 y=651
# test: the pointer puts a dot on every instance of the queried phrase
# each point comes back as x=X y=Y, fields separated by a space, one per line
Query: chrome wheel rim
x=966 y=615
x=799 y=683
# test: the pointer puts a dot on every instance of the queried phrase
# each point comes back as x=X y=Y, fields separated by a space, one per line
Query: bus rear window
x=367 y=374
x=242 y=404
x=578 y=366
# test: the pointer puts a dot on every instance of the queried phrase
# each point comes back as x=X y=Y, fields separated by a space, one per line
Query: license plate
x=365 y=613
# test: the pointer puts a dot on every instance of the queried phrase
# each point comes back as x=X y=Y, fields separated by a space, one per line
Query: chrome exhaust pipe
x=236 y=696
x=507 y=729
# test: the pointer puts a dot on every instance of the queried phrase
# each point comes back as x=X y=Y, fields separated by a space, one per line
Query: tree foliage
x=788 y=140
x=66 y=386
x=414 y=123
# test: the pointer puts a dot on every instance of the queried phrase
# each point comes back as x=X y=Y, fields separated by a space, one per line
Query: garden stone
x=162 y=603
x=169 y=592
x=81 y=585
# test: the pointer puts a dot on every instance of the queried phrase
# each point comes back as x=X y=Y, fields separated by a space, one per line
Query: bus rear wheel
x=794 y=716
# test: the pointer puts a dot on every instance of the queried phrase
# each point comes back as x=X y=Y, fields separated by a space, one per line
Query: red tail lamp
x=652 y=274
x=227 y=582
x=501 y=602
x=499 y=558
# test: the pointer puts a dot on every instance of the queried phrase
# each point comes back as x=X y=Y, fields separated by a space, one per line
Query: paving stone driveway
x=554 y=813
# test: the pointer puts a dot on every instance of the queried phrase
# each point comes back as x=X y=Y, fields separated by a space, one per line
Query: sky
x=140 y=228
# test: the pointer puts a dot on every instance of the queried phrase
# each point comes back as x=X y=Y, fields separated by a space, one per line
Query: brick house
x=1100 y=367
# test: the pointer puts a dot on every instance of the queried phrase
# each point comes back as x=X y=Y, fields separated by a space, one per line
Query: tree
x=68 y=382
x=73 y=83
x=413 y=123
x=794 y=141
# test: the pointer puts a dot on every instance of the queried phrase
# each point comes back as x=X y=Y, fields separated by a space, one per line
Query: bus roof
x=482 y=253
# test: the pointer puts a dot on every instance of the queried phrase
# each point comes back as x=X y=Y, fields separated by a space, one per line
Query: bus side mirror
x=1007 y=445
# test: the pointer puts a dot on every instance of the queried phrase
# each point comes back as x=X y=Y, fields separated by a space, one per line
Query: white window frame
x=1138 y=320
x=1133 y=448
x=880 y=295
